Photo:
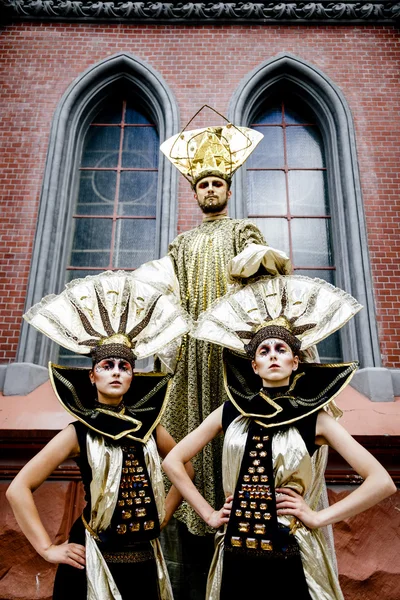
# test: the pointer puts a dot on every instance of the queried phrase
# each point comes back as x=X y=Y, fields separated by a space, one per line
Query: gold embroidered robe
x=200 y=257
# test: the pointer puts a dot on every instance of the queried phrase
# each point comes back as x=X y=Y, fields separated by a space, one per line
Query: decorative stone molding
x=22 y=378
x=375 y=383
x=210 y=12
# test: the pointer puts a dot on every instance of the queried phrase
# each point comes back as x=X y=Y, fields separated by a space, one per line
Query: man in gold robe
x=200 y=265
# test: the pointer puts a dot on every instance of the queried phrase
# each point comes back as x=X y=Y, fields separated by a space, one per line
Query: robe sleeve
x=256 y=257
x=161 y=275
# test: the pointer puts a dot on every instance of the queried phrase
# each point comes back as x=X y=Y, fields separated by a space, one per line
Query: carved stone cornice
x=262 y=13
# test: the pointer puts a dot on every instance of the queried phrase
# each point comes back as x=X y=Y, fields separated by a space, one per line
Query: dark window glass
x=287 y=195
x=115 y=214
x=96 y=193
x=101 y=147
x=114 y=223
x=140 y=148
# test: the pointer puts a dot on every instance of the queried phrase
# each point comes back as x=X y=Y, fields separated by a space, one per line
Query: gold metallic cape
x=200 y=258
x=293 y=467
x=106 y=464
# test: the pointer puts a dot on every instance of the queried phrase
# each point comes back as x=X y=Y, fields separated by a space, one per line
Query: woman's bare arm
x=376 y=486
x=174 y=466
x=20 y=495
x=165 y=443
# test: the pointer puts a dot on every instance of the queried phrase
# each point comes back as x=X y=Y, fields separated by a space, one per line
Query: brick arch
x=75 y=111
x=307 y=82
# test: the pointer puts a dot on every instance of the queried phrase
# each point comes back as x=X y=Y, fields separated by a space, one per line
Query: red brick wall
x=201 y=65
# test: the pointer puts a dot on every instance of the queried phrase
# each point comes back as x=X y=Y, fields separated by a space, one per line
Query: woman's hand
x=289 y=502
x=66 y=553
x=220 y=517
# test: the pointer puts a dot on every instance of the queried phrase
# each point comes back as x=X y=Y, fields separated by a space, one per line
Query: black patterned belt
x=128 y=557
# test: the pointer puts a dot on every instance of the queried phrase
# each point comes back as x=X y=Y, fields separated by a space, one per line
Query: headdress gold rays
x=300 y=310
x=282 y=327
x=110 y=314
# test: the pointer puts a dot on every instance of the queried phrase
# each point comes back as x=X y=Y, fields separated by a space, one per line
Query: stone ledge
x=3 y=371
x=377 y=383
x=21 y=379
x=396 y=381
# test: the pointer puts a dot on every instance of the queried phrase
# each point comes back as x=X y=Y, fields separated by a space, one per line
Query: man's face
x=212 y=194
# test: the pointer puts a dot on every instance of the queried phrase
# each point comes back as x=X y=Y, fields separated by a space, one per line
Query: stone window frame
x=359 y=337
x=75 y=111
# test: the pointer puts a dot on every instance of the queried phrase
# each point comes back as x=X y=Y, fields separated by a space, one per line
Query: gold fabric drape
x=293 y=467
x=106 y=463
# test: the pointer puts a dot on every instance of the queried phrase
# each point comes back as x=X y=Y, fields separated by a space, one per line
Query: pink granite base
x=367 y=546
x=24 y=575
x=368 y=550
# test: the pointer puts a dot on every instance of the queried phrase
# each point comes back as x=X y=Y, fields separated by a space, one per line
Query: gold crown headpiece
x=214 y=150
x=110 y=314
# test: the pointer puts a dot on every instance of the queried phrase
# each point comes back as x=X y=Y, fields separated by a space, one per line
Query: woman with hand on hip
x=279 y=419
x=113 y=550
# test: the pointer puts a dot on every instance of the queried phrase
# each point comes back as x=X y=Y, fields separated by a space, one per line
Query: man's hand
x=220 y=517
x=288 y=502
x=66 y=553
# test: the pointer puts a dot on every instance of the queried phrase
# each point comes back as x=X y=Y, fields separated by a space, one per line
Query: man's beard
x=213 y=204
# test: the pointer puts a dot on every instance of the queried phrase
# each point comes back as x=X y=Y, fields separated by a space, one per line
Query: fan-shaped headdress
x=110 y=314
x=300 y=310
x=215 y=150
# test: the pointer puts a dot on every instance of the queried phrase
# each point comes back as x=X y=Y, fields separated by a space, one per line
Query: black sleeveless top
x=135 y=519
x=306 y=426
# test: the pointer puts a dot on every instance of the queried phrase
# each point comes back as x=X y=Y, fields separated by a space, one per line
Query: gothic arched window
x=287 y=193
x=108 y=199
x=311 y=149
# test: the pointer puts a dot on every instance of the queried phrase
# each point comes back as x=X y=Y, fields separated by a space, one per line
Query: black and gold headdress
x=300 y=310
x=110 y=314
x=282 y=327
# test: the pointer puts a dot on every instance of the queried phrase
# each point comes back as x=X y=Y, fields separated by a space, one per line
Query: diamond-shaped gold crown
x=214 y=150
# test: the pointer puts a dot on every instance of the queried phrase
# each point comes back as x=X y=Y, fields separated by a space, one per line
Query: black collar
x=144 y=403
x=311 y=388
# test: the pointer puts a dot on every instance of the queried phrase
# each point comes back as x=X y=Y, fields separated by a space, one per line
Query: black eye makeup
x=266 y=348
x=109 y=365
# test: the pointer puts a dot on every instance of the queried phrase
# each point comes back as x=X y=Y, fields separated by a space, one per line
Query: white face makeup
x=212 y=194
x=112 y=378
x=274 y=362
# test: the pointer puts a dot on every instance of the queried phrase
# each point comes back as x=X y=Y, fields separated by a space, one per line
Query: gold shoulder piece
x=272 y=403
